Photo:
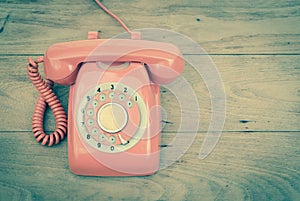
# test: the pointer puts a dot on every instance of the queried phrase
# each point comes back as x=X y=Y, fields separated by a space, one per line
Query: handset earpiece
x=162 y=73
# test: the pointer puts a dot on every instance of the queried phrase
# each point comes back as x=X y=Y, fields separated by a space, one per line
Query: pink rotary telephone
x=114 y=102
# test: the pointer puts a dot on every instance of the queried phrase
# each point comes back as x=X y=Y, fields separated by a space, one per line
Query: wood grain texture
x=238 y=27
x=255 y=46
x=261 y=166
x=262 y=95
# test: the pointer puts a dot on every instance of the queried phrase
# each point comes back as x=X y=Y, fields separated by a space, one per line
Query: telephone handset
x=114 y=114
x=62 y=60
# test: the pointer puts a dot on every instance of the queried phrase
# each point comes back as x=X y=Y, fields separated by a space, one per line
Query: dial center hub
x=112 y=117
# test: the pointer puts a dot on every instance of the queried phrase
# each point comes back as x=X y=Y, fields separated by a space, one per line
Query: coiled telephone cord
x=46 y=97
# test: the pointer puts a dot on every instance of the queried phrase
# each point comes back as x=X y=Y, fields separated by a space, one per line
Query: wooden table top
x=255 y=46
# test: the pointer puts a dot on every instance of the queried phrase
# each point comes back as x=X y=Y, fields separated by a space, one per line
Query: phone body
x=114 y=112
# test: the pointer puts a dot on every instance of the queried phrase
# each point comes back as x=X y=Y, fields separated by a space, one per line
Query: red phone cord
x=113 y=16
x=46 y=97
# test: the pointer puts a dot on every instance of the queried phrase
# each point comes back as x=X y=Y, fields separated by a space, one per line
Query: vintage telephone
x=114 y=101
